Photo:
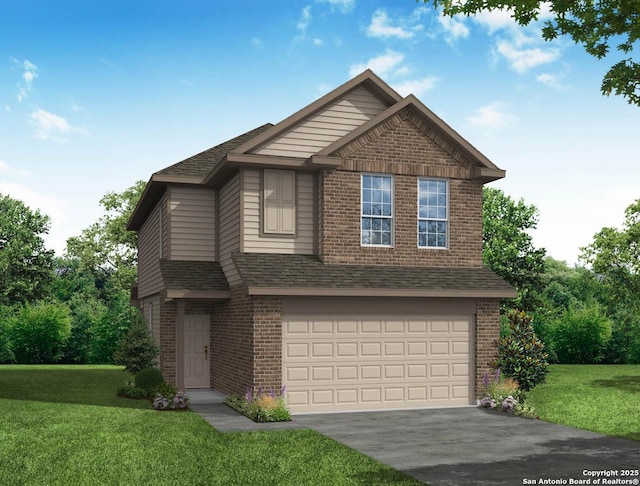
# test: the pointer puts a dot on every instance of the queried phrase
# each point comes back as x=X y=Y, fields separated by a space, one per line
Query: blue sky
x=96 y=95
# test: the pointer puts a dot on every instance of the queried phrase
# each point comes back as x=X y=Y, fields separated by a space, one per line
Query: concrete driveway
x=471 y=446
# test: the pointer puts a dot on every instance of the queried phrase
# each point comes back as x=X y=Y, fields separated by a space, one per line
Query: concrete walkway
x=208 y=404
x=457 y=446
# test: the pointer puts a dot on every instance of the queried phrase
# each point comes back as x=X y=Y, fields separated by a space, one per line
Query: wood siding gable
x=322 y=129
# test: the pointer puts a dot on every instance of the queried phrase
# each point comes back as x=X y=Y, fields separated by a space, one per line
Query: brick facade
x=486 y=338
x=399 y=147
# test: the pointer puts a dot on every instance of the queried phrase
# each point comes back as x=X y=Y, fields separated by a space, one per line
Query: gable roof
x=201 y=164
x=290 y=274
x=367 y=79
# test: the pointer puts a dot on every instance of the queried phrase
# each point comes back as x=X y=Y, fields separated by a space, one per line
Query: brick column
x=168 y=317
x=267 y=342
x=486 y=339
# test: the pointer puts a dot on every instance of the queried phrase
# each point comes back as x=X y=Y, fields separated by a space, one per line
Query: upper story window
x=377 y=210
x=279 y=203
x=433 y=213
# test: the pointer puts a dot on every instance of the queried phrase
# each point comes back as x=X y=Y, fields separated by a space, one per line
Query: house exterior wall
x=310 y=136
x=149 y=241
x=399 y=147
x=486 y=339
x=253 y=240
x=230 y=227
x=193 y=223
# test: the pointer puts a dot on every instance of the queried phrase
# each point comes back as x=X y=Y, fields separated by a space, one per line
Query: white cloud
x=257 y=42
x=495 y=20
x=11 y=171
x=454 y=28
x=304 y=20
x=343 y=5
x=381 y=65
x=491 y=116
x=551 y=80
x=29 y=74
x=417 y=87
x=50 y=126
x=521 y=60
x=382 y=27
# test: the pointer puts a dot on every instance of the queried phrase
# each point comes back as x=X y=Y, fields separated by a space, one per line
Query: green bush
x=137 y=350
x=580 y=336
x=149 y=379
x=521 y=354
x=128 y=390
x=38 y=332
x=6 y=354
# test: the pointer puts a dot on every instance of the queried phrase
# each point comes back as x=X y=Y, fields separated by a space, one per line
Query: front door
x=196 y=351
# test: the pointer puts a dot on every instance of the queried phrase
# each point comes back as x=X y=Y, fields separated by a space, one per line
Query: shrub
x=6 y=354
x=580 y=336
x=38 y=332
x=505 y=396
x=521 y=354
x=149 y=379
x=129 y=390
x=261 y=407
x=137 y=350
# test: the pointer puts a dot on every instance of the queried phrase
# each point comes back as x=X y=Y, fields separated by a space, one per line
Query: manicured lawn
x=600 y=398
x=63 y=425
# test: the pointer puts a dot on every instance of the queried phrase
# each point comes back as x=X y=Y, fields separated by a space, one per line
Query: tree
x=106 y=246
x=38 y=332
x=593 y=24
x=521 y=354
x=25 y=264
x=137 y=349
x=581 y=335
x=507 y=247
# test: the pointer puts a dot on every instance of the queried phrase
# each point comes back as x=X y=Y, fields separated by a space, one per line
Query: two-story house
x=338 y=253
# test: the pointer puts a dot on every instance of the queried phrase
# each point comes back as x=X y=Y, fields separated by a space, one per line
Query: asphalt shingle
x=306 y=271
x=201 y=164
x=193 y=275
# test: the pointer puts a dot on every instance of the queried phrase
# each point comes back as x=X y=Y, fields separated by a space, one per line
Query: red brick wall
x=267 y=339
x=167 y=361
x=401 y=147
x=487 y=335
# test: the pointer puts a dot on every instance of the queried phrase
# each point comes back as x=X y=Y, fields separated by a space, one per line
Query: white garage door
x=340 y=363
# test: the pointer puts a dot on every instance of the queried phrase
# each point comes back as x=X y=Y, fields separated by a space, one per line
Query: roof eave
x=378 y=292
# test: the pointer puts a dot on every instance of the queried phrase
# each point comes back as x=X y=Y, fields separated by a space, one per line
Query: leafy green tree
x=507 y=247
x=107 y=332
x=137 y=349
x=581 y=334
x=6 y=354
x=25 y=264
x=38 y=332
x=521 y=354
x=106 y=246
x=594 y=25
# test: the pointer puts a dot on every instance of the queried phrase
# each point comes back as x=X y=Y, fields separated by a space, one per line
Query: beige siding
x=230 y=227
x=312 y=135
x=193 y=224
x=149 y=278
x=151 y=314
x=302 y=243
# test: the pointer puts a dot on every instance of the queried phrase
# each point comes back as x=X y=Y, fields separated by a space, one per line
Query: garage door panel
x=333 y=363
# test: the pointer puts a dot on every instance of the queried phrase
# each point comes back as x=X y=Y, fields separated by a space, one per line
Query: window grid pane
x=432 y=213
x=376 y=210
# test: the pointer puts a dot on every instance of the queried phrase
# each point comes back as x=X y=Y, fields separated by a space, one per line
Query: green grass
x=600 y=398
x=63 y=425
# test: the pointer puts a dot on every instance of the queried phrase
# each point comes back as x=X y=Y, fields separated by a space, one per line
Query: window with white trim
x=377 y=210
x=279 y=202
x=433 y=213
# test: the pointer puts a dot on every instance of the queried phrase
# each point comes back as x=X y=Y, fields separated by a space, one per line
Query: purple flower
x=497 y=376
x=272 y=393
x=283 y=390
x=248 y=396
x=485 y=380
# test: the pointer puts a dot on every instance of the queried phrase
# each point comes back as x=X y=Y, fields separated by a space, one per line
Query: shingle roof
x=201 y=164
x=277 y=271
x=195 y=276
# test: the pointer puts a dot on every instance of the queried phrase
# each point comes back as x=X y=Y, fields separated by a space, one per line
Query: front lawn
x=600 y=398
x=62 y=425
